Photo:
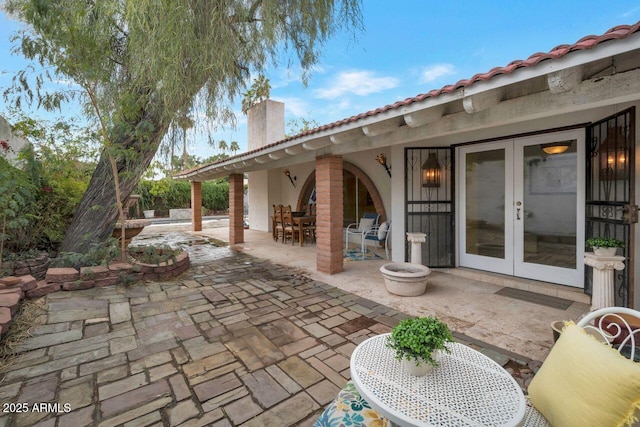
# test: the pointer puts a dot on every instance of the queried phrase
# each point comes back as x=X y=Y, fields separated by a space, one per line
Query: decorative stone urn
x=405 y=279
x=132 y=227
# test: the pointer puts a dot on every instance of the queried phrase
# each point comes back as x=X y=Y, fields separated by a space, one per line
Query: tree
x=222 y=145
x=140 y=63
x=299 y=125
x=259 y=91
x=234 y=146
x=185 y=122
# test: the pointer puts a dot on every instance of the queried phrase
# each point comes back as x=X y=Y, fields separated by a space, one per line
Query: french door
x=522 y=207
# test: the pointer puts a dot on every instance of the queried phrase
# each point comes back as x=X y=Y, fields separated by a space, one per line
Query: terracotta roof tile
x=587 y=42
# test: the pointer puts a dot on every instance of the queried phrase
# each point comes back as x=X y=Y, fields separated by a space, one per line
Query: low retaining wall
x=180 y=213
x=13 y=289
x=36 y=267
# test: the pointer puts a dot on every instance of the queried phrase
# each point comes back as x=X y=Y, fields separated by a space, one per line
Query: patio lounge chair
x=368 y=221
x=378 y=235
x=582 y=381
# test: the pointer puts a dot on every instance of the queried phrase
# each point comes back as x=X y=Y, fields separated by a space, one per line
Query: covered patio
x=468 y=165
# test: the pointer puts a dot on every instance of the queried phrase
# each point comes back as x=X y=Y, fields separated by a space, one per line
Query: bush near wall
x=166 y=193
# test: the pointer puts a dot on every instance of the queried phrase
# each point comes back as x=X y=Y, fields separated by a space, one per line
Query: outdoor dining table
x=466 y=389
x=301 y=221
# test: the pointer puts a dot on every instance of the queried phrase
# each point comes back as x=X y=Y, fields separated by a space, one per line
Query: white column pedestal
x=416 y=239
x=602 y=294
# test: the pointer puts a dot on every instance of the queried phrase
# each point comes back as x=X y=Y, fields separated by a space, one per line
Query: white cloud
x=631 y=12
x=434 y=72
x=358 y=82
x=296 y=105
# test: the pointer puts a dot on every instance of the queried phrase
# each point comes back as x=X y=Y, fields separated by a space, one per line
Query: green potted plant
x=417 y=341
x=604 y=246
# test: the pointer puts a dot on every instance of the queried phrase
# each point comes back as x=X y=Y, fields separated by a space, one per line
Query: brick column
x=196 y=205
x=329 y=214
x=236 y=208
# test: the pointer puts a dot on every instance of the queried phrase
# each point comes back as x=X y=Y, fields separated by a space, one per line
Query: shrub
x=98 y=254
x=17 y=207
x=165 y=194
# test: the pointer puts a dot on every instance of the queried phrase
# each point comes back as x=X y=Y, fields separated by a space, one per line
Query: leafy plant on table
x=604 y=242
x=418 y=338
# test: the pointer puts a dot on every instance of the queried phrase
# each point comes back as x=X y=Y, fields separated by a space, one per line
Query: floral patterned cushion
x=349 y=409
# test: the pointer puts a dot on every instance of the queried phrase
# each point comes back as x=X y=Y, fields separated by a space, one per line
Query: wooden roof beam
x=481 y=101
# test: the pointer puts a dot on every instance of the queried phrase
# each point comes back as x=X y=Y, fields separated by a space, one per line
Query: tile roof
x=587 y=42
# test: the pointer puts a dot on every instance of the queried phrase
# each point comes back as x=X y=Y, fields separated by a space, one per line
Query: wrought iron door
x=610 y=201
x=429 y=194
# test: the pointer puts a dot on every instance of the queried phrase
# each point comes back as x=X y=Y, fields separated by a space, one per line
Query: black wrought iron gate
x=610 y=190
x=429 y=192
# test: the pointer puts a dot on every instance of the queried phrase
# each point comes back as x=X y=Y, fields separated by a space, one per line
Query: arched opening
x=360 y=195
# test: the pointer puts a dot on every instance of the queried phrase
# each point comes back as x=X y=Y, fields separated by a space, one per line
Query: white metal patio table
x=466 y=389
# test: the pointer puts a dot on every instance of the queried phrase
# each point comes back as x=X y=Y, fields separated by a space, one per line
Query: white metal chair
x=378 y=235
x=368 y=221
x=617 y=326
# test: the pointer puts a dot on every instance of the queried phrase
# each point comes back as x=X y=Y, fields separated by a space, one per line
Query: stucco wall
x=15 y=143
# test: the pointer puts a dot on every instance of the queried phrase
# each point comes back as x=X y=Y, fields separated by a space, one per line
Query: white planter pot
x=405 y=279
x=417 y=370
x=605 y=251
x=149 y=214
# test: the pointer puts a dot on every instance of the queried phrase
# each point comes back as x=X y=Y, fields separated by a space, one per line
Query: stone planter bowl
x=405 y=279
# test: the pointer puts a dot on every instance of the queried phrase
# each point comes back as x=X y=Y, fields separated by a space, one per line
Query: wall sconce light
x=431 y=172
x=382 y=159
x=291 y=178
x=556 y=147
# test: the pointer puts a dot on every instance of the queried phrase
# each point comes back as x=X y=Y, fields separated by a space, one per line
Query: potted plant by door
x=417 y=343
x=604 y=246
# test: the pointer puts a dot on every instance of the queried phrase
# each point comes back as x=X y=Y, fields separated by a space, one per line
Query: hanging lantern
x=431 y=172
x=614 y=155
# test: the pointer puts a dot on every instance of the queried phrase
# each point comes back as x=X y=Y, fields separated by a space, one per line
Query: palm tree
x=234 y=146
x=185 y=122
x=222 y=145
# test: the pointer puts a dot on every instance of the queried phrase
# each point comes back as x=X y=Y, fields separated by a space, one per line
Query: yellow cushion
x=586 y=383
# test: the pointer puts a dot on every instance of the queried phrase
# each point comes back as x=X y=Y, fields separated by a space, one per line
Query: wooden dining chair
x=287 y=225
x=278 y=228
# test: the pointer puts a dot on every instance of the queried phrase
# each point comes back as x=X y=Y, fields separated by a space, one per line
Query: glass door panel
x=485 y=179
x=485 y=189
x=549 y=207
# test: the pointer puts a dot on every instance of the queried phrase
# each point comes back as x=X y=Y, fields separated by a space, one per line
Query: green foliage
x=297 y=126
x=604 y=242
x=97 y=254
x=416 y=339
x=150 y=254
x=258 y=92
x=17 y=206
x=166 y=193
x=54 y=174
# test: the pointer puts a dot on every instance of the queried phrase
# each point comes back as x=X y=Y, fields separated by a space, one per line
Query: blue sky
x=407 y=47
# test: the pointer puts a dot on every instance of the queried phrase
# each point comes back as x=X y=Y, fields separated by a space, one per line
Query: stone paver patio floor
x=233 y=341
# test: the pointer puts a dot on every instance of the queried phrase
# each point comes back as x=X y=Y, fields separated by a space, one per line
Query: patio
x=238 y=339
x=465 y=299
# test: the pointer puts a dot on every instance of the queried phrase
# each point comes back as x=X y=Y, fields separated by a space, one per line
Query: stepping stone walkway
x=233 y=341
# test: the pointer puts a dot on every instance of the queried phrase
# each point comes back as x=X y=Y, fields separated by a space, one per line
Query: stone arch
x=359 y=173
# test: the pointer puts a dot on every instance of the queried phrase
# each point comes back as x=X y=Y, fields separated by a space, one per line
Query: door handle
x=518 y=214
